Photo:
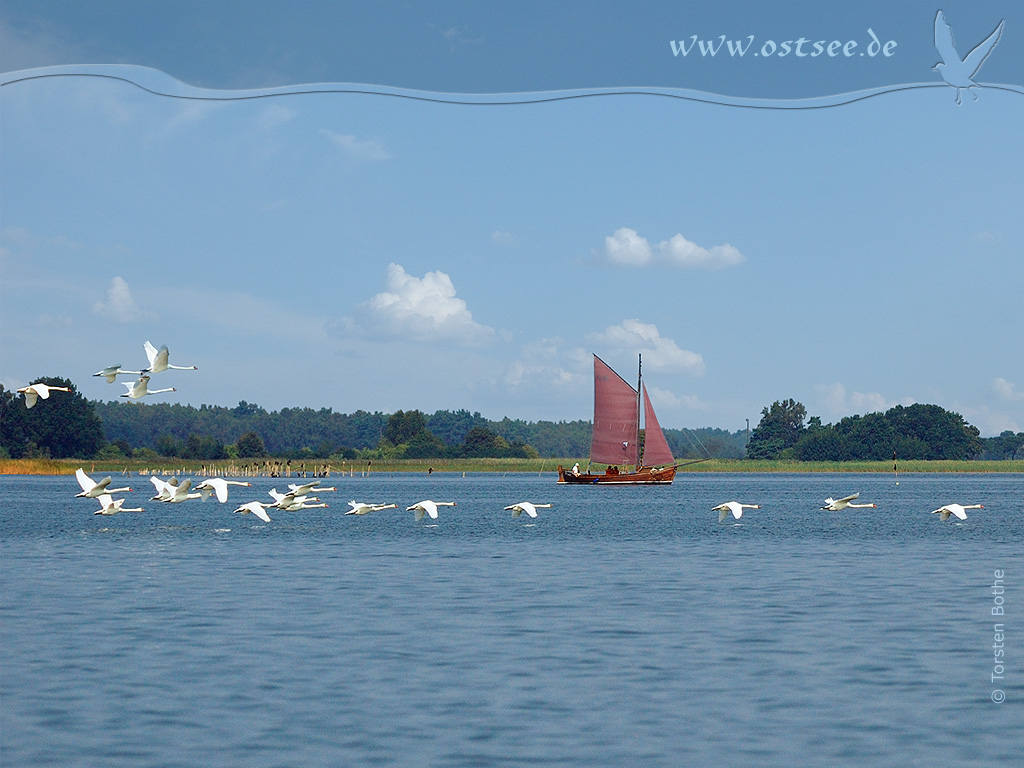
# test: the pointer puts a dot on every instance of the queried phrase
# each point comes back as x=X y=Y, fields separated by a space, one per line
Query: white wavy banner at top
x=160 y=83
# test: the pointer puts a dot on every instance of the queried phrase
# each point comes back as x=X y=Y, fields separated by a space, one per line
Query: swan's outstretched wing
x=86 y=482
x=151 y=353
x=974 y=60
x=944 y=40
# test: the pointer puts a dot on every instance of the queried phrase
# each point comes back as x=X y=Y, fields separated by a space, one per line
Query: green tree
x=62 y=426
x=250 y=446
x=203 y=448
x=1005 y=446
x=403 y=426
x=169 y=445
x=452 y=426
x=781 y=426
x=424 y=445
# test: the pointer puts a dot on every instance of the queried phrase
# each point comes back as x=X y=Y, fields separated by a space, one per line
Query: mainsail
x=617 y=423
x=616 y=417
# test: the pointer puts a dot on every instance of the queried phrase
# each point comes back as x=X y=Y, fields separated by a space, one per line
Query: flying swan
x=111 y=372
x=254 y=508
x=219 y=486
x=158 y=360
x=34 y=391
x=834 y=505
x=525 y=506
x=111 y=506
x=91 y=489
x=140 y=388
x=429 y=508
x=956 y=510
x=735 y=507
x=359 y=508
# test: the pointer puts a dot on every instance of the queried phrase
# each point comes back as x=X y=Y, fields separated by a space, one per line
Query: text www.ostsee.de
x=800 y=48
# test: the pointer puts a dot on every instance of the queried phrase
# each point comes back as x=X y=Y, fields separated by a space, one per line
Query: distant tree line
x=68 y=425
x=913 y=432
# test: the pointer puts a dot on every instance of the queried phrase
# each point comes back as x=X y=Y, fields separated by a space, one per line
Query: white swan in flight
x=956 y=510
x=158 y=360
x=305 y=502
x=111 y=372
x=734 y=507
x=359 y=508
x=299 y=490
x=111 y=506
x=219 y=486
x=34 y=391
x=140 y=388
x=164 y=488
x=429 y=508
x=91 y=489
x=254 y=508
x=834 y=505
x=525 y=506
x=176 y=494
x=292 y=502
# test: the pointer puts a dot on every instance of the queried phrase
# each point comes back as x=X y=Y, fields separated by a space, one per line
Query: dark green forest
x=69 y=425
x=917 y=431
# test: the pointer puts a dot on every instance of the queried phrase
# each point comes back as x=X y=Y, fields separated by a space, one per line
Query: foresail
x=616 y=418
x=656 y=450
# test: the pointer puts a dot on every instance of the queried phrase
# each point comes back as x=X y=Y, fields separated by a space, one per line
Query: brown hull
x=643 y=476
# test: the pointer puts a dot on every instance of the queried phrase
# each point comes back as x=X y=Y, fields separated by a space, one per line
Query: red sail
x=656 y=450
x=616 y=418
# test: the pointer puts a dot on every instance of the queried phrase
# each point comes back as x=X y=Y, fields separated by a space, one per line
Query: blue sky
x=367 y=251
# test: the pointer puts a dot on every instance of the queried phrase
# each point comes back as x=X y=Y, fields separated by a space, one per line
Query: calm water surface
x=623 y=627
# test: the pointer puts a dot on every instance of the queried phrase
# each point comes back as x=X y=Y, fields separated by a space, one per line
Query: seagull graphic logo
x=959 y=73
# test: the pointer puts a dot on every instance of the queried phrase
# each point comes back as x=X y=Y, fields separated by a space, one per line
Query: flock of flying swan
x=158 y=362
x=297 y=498
x=835 y=505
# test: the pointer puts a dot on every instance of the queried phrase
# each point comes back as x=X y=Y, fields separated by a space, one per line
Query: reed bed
x=326 y=468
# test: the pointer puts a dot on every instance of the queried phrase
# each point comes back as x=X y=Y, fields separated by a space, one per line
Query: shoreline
x=326 y=468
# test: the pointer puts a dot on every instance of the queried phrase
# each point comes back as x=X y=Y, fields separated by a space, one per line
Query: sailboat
x=616 y=437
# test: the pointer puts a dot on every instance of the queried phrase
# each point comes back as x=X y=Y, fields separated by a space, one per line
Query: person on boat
x=576 y=469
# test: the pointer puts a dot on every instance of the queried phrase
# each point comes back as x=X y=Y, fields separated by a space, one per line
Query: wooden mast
x=639 y=406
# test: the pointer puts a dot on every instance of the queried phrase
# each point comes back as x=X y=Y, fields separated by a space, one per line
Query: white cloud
x=543 y=365
x=836 y=402
x=626 y=247
x=658 y=353
x=1006 y=389
x=119 y=304
x=501 y=238
x=358 y=149
x=421 y=309
x=668 y=401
